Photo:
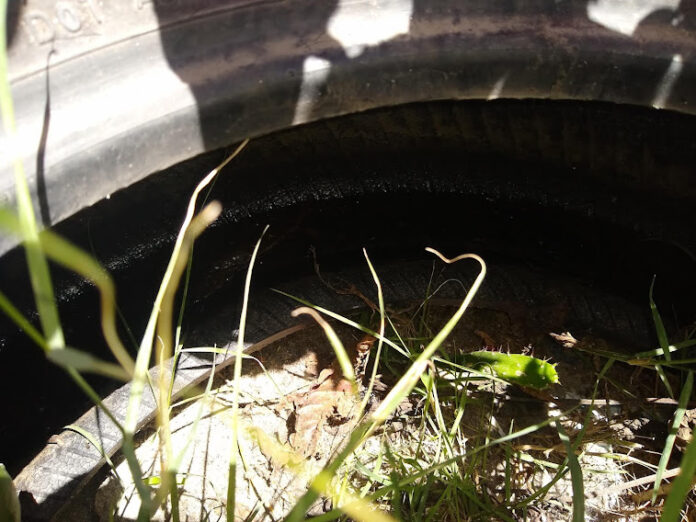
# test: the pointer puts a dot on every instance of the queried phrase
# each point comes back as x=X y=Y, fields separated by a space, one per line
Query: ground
x=284 y=441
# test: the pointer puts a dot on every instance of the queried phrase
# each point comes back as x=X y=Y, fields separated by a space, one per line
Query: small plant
x=430 y=467
x=436 y=466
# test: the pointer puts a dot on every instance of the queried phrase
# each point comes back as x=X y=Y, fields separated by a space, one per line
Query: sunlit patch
x=497 y=87
x=357 y=25
x=664 y=88
x=623 y=16
x=315 y=71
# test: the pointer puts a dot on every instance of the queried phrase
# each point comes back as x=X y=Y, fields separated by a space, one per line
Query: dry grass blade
x=86 y=362
x=199 y=414
x=234 y=450
x=338 y=348
x=357 y=508
x=94 y=442
x=346 y=321
x=165 y=336
x=380 y=339
x=145 y=351
x=625 y=486
x=142 y=362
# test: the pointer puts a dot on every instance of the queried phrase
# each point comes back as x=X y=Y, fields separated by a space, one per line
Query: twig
x=635 y=483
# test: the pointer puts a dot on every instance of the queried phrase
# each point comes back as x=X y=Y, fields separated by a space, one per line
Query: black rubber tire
x=181 y=78
x=138 y=86
x=572 y=198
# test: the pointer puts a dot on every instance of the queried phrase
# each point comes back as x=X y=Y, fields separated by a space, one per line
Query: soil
x=624 y=434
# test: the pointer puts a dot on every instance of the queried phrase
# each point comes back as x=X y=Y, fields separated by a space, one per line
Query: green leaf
x=9 y=501
x=153 y=481
x=522 y=370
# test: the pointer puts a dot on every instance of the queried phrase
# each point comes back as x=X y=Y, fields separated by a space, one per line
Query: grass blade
x=38 y=266
x=94 y=442
x=575 y=475
x=380 y=341
x=18 y=318
x=684 y=397
x=671 y=512
x=10 y=510
x=146 y=345
x=75 y=259
x=86 y=362
x=659 y=351
x=42 y=287
x=165 y=333
x=563 y=469
x=659 y=325
x=662 y=338
x=232 y=477
x=22 y=322
x=663 y=377
x=140 y=375
x=338 y=348
x=412 y=375
x=345 y=320
x=199 y=415
x=399 y=483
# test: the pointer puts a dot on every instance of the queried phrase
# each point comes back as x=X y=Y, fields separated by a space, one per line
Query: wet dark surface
x=597 y=193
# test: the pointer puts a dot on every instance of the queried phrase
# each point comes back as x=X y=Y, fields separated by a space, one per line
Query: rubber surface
x=134 y=87
x=560 y=187
x=578 y=196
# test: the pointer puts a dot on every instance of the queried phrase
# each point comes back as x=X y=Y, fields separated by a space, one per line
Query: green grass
x=433 y=474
